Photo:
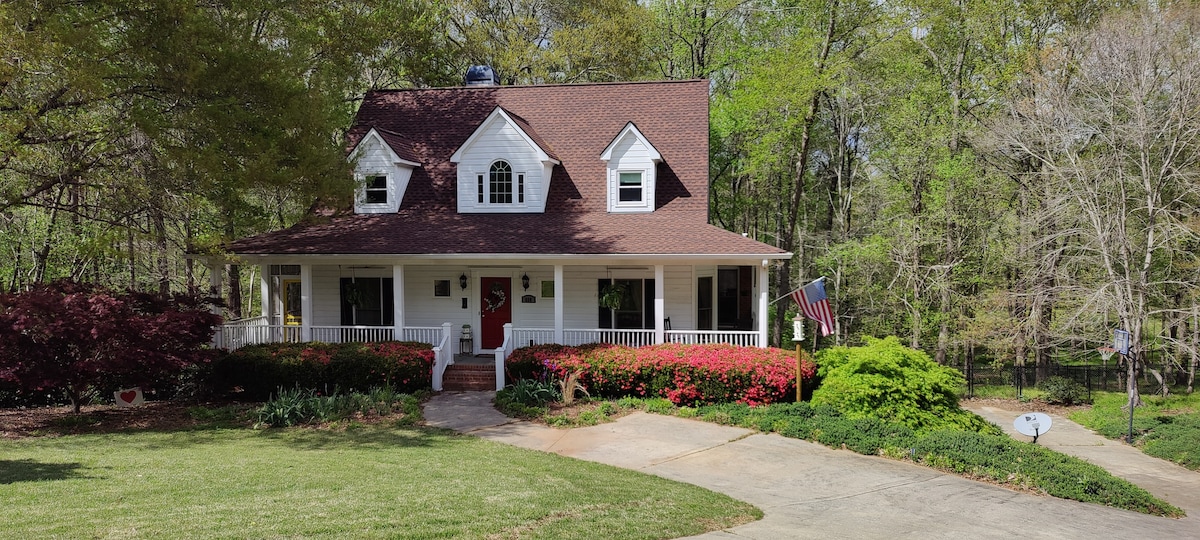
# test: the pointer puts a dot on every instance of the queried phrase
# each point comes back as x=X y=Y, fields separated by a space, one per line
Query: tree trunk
x=161 y=246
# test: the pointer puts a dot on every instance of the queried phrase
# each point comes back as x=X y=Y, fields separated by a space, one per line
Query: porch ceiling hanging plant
x=495 y=298
x=613 y=295
x=351 y=294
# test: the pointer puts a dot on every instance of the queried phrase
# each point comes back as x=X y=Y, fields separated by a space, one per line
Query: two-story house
x=534 y=214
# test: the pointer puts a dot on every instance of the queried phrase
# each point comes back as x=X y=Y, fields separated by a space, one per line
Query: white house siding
x=540 y=313
x=500 y=141
x=373 y=159
x=580 y=302
x=423 y=309
x=680 y=294
x=629 y=154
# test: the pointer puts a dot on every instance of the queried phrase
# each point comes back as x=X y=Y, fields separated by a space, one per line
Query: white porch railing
x=704 y=337
x=256 y=330
x=352 y=334
x=443 y=356
x=502 y=353
x=425 y=334
x=532 y=336
x=630 y=338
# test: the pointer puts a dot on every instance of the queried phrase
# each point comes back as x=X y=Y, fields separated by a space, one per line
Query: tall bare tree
x=1115 y=133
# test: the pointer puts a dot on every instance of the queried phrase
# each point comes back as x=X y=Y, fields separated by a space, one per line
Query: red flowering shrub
x=688 y=374
x=260 y=370
x=530 y=362
x=75 y=337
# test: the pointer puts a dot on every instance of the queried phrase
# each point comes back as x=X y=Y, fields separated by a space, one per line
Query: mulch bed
x=54 y=421
x=1033 y=405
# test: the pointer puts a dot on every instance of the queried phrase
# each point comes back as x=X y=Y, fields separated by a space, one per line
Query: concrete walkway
x=806 y=490
x=1168 y=481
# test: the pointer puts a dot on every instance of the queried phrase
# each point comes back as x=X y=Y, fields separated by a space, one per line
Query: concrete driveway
x=807 y=490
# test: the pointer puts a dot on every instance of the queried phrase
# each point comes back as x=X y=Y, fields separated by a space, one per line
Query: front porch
x=491 y=306
x=257 y=330
x=447 y=352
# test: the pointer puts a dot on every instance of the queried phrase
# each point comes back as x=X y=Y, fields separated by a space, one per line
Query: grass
x=1166 y=428
x=367 y=481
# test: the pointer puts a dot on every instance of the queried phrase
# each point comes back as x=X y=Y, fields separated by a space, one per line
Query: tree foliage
x=887 y=380
x=70 y=337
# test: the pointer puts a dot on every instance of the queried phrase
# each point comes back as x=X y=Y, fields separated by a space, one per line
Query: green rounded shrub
x=1063 y=391
x=887 y=380
x=257 y=371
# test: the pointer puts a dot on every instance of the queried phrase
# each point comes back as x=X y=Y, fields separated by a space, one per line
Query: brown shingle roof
x=572 y=123
x=400 y=144
x=428 y=231
x=528 y=129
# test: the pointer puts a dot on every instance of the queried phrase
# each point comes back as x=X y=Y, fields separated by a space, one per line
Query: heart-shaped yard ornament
x=130 y=397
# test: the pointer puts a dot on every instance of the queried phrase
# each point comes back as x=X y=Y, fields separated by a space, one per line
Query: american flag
x=815 y=305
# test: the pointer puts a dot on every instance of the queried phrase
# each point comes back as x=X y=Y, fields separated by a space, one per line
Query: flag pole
x=798 y=337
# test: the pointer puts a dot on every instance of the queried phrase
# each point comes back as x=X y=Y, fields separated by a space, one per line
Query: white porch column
x=214 y=290
x=660 y=305
x=215 y=271
x=264 y=290
x=398 y=302
x=763 y=292
x=306 y=305
x=558 y=303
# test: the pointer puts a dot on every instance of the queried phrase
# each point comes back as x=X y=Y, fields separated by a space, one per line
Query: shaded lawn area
x=374 y=481
x=1166 y=428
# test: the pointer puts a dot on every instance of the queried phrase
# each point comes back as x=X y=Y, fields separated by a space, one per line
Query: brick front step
x=458 y=378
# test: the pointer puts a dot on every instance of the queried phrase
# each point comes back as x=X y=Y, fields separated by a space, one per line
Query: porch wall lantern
x=525 y=281
x=462 y=281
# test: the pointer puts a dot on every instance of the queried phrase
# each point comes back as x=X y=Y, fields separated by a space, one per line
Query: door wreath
x=495 y=298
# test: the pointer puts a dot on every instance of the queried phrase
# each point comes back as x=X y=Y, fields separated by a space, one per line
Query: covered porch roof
x=444 y=232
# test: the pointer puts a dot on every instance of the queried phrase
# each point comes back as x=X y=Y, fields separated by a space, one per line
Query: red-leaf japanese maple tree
x=69 y=336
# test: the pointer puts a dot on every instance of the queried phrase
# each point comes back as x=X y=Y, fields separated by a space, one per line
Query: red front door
x=496 y=304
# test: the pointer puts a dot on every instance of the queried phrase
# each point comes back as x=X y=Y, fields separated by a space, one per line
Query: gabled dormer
x=504 y=166
x=631 y=163
x=384 y=163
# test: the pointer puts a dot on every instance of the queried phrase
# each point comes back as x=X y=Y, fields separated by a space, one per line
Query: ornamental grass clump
x=686 y=374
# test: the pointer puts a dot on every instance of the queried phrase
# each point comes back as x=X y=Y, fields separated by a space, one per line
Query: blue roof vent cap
x=482 y=76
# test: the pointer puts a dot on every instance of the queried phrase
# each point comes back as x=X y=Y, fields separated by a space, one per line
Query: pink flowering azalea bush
x=260 y=370
x=531 y=362
x=684 y=374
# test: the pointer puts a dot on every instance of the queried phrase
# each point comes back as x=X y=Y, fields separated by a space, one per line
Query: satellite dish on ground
x=1032 y=424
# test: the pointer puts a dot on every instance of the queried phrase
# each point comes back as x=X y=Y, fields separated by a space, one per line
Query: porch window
x=637 y=304
x=500 y=183
x=376 y=191
x=367 y=301
x=734 y=298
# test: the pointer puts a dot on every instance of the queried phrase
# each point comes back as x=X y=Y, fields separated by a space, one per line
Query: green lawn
x=369 y=482
x=1167 y=428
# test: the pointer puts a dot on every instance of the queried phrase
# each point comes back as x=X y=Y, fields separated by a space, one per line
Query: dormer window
x=503 y=167
x=383 y=164
x=376 y=190
x=631 y=162
x=500 y=183
x=630 y=188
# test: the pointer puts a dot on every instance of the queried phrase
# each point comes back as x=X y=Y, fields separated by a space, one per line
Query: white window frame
x=367 y=189
x=483 y=186
x=449 y=288
x=640 y=202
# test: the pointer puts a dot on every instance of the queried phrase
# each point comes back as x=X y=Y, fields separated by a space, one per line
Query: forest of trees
x=1007 y=179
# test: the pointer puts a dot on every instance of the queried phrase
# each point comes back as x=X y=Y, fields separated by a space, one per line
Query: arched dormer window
x=500 y=183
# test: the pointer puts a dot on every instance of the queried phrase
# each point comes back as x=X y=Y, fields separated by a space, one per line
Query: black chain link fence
x=1109 y=377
